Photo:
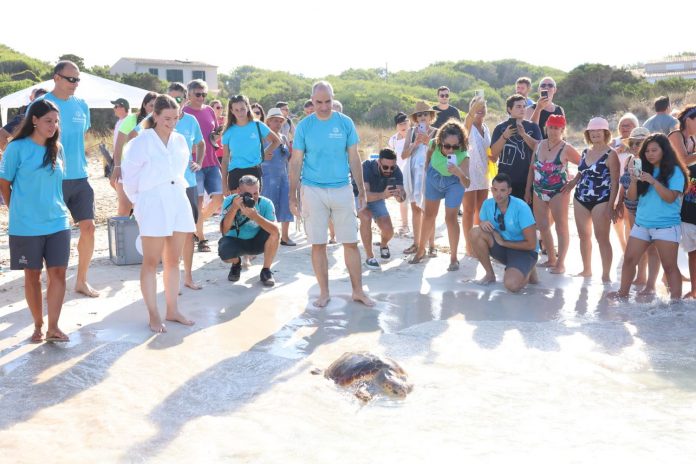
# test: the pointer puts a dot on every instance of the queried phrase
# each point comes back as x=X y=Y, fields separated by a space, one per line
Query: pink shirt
x=207 y=120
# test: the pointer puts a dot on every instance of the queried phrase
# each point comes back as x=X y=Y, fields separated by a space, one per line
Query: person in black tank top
x=540 y=111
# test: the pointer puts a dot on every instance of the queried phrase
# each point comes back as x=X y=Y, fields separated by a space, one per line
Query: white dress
x=478 y=158
x=397 y=145
x=153 y=179
x=414 y=176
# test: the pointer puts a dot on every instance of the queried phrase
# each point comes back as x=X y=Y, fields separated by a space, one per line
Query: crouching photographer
x=248 y=228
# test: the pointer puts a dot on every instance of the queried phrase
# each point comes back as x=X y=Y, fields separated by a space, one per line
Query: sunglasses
x=635 y=144
x=500 y=219
x=201 y=94
x=447 y=146
x=387 y=168
x=418 y=115
x=257 y=113
x=444 y=95
x=546 y=86
x=72 y=80
x=217 y=107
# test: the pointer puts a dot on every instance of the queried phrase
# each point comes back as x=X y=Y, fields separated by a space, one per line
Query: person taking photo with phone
x=540 y=111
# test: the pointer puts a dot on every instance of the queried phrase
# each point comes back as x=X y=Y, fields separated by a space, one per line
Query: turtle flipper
x=317 y=371
x=363 y=393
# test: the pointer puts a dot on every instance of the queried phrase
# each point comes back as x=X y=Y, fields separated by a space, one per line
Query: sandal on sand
x=432 y=252
x=37 y=336
x=410 y=250
x=453 y=266
x=203 y=246
x=416 y=259
x=57 y=337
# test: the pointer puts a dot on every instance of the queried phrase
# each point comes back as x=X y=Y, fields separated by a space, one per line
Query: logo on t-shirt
x=23 y=260
x=336 y=133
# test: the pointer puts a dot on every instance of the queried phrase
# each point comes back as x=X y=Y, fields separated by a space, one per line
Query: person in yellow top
x=446 y=176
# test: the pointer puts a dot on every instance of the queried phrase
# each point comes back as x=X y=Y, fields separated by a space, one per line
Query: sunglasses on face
x=387 y=168
x=257 y=113
x=546 y=86
x=420 y=115
x=635 y=144
x=444 y=95
x=72 y=80
x=201 y=94
x=447 y=146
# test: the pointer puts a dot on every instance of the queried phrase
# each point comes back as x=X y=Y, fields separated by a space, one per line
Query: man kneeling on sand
x=507 y=232
x=248 y=228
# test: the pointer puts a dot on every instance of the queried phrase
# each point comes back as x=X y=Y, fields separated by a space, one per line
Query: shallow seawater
x=558 y=373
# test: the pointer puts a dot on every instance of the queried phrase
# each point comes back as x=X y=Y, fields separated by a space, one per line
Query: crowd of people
x=178 y=161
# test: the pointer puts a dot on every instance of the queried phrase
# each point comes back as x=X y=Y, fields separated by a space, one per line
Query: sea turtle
x=368 y=374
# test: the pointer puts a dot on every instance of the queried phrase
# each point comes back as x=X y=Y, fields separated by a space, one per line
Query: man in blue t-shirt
x=325 y=152
x=513 y=142
x=383 y=179
x=77 y=193
x=248 y=229
x=507 y=232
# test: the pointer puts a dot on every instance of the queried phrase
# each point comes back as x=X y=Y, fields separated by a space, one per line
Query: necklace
x=550 y=148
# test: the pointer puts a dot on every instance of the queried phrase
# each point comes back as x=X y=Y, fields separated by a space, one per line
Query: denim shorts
x=209 y=180
x=377 y=208
x=666 y=234
x=438 y=187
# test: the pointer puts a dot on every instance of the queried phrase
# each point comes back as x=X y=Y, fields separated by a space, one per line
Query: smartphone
x=421 y=127
x=512 y=122
x=544 y=94
x=452 y=159
x=637 y=167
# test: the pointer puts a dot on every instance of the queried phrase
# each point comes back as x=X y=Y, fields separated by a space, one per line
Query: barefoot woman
x=153 y=178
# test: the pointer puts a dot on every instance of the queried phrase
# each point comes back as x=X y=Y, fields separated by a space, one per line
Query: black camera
x=248 y=200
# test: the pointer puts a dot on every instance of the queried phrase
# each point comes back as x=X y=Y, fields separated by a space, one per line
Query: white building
x=679 y=66
x=169 y=70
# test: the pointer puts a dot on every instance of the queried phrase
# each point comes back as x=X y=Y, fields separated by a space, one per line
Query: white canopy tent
x=96 y=91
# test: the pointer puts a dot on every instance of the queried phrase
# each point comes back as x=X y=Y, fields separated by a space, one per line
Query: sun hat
x=639 y=133
x=422 y=107
x=275 y=113
x=556 y=120
x=598 y=124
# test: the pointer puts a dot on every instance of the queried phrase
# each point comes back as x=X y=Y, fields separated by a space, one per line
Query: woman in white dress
x=396 y=142
x=415 y=148
x=153 y=178
x=479 y=143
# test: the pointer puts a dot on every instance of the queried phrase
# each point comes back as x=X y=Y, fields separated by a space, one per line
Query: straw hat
x=639 y=133
x=275 y=113
x=422 y=107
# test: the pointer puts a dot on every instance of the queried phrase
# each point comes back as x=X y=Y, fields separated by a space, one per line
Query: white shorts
x=321 y=204
x=666 y=234
x=163 y=210
x=688 y=241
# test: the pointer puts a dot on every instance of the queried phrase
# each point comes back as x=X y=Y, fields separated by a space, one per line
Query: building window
x=175 y=75
x=154 y=71
x=198 y=75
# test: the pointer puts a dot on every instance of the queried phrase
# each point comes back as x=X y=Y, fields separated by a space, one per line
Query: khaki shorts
x=688 y=239
x=321 y=204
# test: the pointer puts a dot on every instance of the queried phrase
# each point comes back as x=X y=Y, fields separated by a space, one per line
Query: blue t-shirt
x=244 y=144
x=189 y=128
x=36 y=204
x=653 y=211
x=248 y=229
x=518 y=216
x=74 y=123
x=325 y=145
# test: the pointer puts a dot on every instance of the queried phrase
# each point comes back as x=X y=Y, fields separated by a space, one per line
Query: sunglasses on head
x=546 y=86
x=444 y=95
x=200 y=94
x=72 y=80
x=447 y=146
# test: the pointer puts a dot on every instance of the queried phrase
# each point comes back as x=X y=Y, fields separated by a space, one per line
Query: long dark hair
x=231 y=118
x=146 y=99
x=668 y=164
x=39 y=109
x=162 y=102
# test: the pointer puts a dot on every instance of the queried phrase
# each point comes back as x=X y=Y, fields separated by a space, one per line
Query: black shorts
x=522 y=260
x=29 y=252
x=518 y=190
x=234 y=175
x=79 y=198
x=192 y=195
x=232 y=247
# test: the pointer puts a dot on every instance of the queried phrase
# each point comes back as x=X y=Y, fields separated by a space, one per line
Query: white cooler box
x=123 y=231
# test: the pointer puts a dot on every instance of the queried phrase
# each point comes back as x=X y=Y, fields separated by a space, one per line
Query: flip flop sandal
x=453 y=266
x=432 y=252
x=416 y=259
x=410 y=250
x=203 y=246
x=60 y=338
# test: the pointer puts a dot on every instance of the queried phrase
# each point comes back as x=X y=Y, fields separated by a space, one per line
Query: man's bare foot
x=322 y=301
x=617 y=295
x=485 y=280
x=178 y=317
x=37 y=336
x=361 y=297
x=583 y=274
x=86 y=289
x=192 y=285
x=557 y=269
x=547 y=263
x=156 y=324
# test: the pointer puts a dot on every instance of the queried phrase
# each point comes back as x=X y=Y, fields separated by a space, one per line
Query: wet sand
x=556 y=372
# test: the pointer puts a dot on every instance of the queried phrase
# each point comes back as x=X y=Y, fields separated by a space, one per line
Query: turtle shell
x=353 y=367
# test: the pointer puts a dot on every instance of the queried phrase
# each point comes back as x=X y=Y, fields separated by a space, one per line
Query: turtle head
x=393 y=384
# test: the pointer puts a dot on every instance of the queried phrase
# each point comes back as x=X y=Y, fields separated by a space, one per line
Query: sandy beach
x=557 y=372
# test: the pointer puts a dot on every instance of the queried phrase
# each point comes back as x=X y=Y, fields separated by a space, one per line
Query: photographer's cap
x=121 y=102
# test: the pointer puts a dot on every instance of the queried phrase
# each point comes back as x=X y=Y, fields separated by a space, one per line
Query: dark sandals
x=203 y=245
